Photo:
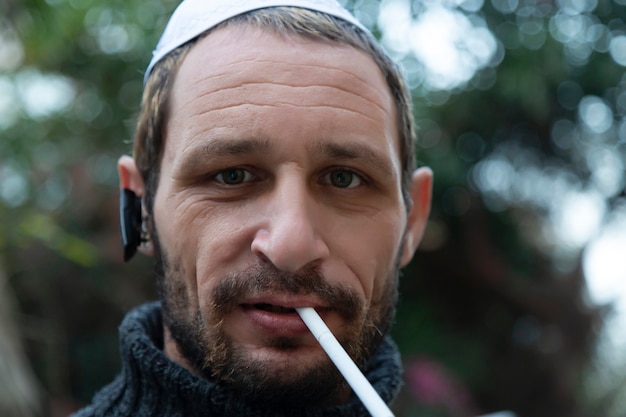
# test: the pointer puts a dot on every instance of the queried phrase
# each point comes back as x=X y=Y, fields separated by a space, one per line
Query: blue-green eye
x=233 y=176
x=343 y=178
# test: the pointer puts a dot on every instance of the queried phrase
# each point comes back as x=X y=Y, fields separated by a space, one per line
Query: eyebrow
x=195 y=157
x=355 y=151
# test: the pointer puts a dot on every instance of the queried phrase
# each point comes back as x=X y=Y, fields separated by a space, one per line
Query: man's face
x=279 y=188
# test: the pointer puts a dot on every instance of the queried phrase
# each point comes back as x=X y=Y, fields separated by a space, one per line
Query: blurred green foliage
x=494 y=311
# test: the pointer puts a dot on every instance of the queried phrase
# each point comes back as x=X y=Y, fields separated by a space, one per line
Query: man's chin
x=286 y=376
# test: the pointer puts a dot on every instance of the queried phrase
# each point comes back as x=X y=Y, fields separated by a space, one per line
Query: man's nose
x=290 y=238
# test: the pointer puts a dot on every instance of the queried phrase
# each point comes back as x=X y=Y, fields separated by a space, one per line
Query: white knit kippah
x=193 y=17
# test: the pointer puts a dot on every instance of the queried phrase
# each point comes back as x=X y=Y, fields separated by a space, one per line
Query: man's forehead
x=194 y=17
x=246 y=59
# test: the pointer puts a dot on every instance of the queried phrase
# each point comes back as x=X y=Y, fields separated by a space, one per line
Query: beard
x=201 y=339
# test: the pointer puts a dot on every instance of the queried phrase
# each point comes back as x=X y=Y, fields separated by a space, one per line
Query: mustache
x=236 y=288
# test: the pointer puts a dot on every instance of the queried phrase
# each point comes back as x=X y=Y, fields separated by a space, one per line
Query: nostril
x=264 y=259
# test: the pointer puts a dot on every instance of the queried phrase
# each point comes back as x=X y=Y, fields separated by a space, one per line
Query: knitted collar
x=151 y=384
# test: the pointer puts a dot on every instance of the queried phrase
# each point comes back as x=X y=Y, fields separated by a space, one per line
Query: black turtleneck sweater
x=152 y=385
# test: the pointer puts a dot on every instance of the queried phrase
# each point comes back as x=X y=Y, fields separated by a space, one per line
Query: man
x=274 y=160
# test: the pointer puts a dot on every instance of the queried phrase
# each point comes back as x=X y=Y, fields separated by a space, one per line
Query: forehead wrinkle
x=277 y=100
x=366 y=91
x=210 y=101
x=233 y=106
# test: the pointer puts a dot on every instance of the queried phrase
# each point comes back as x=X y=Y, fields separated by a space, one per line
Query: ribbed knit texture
x=152 y=385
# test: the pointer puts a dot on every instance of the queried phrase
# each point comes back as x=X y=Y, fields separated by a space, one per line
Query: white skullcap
x=193 y=17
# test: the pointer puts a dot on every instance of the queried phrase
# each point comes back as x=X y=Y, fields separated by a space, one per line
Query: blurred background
x=517 y=298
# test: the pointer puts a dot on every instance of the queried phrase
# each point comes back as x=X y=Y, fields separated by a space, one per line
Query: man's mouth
x=273 y=308
x=275 y=318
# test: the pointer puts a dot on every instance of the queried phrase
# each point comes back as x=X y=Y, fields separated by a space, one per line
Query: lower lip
x=279 y=324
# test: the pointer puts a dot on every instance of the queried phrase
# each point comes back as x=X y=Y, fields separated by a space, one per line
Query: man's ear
x=421 y=194
x=130 y=179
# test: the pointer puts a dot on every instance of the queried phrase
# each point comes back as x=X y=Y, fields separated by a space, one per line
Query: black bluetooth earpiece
x=130 y=222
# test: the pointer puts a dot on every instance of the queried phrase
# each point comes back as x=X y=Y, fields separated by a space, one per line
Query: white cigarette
x=360 y=385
